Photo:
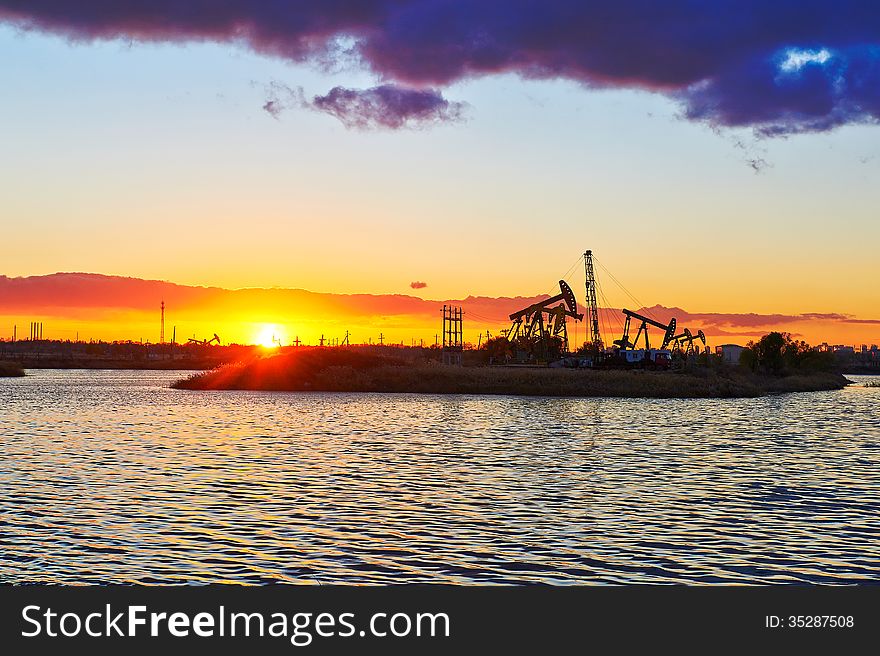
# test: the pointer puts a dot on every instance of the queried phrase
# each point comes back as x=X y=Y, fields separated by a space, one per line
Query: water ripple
x=110 y=477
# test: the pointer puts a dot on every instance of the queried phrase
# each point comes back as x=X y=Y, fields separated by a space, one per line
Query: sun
x=269 y=336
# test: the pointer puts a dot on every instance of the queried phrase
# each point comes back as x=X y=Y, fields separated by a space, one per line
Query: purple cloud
x=387 y=106
x=778 y=67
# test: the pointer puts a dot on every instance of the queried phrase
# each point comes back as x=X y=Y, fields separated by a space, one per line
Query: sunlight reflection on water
x=113 y=477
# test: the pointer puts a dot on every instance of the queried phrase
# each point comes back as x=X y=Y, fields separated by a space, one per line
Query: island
x=343 y=370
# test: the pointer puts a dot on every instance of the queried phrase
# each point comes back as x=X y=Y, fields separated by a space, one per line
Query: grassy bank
x=341 y=371
x=10 y=369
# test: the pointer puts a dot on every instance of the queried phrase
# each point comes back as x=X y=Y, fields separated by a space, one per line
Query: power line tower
x=162 y=323
x=453 y=341
x=592 y=305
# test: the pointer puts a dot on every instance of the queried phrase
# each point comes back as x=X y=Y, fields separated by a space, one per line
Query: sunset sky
x=722 y=160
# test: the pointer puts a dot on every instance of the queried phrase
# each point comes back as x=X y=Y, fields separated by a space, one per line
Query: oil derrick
x=544 y=337
x=592 y=305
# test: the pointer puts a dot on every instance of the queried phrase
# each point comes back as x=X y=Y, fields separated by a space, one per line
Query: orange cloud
x=112 y=307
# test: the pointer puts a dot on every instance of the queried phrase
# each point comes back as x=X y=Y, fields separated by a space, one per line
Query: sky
x=356 y=148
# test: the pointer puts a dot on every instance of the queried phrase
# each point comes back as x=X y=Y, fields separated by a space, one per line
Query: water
x=111 y=477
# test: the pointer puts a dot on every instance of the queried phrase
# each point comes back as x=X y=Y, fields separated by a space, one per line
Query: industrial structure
x=453 y=336
x=538 y=337
x=539 y=333
x=204 y=342
x=592 y=305
x=624 y=343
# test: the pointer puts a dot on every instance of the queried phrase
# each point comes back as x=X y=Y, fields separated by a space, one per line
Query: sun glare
x=269 y=336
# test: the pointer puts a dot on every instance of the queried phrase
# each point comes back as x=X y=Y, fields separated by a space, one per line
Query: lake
x=112 y=477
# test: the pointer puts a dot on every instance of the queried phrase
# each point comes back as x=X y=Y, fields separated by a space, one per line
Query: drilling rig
x=592 y=305
x=543 y=338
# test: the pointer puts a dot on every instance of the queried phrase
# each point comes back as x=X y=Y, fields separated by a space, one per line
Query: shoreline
x=325 y=373
x=10 y=369
x=132 y=365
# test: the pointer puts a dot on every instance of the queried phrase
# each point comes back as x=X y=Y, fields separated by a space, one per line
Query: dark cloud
x=780 y=67
x=418 y=284
x=387 y=106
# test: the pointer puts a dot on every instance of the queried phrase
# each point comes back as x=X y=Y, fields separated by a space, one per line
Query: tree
x=777 y=353
x=498 y=350
x=768 y=352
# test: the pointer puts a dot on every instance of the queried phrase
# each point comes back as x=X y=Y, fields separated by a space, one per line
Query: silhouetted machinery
x=630 y=353
x=540 y=329
x=204 y=342
x=624 y=343
x=684 y=342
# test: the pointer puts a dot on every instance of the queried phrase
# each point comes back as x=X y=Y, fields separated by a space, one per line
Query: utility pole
x=322 y=339
x=296 y=342
x=381 y=339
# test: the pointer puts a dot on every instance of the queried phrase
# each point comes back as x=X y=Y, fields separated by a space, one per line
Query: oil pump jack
x=536 y=334
x=204 y=342
x=685 y=341
x=668 y=331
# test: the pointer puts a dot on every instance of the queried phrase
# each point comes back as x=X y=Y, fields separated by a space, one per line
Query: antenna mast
x=592 y=306
x=162 y=328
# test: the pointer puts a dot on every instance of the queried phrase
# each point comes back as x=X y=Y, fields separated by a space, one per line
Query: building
x=730 y=352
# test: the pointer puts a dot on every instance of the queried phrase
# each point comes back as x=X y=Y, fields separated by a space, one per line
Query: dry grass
x=342 y=371
x=10 y=370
